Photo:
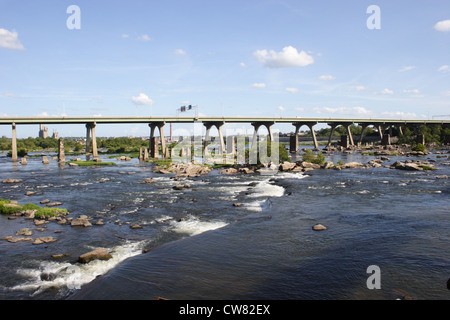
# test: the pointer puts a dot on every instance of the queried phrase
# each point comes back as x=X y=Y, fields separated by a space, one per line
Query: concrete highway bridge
x=158 y=122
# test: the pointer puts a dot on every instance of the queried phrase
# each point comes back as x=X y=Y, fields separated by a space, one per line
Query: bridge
x=158 y=122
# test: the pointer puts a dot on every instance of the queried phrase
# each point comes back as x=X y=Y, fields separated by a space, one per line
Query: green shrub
x=309 y=156
x=40 y=213
x=419 y=147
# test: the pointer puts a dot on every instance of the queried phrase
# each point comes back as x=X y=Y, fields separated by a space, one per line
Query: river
x=198 y=245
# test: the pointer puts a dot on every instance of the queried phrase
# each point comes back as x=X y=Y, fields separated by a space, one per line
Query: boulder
x=24 y=232
x=81 y=221
x=246 y=170
x=23 y=161
x=181 y=186
x=97 y=254
x=54 y=204
x=351 y=165
x=287 y=166
x=149 y=180
x=29 y=214
x=229 y=171
x=328 y=165
x=45 y=160
x=9 y=180
x=30 y=193
x=42 y=240
x=319 y=227
x=306 y=164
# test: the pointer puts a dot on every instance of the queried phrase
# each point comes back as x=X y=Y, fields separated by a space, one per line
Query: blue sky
x=231 y=58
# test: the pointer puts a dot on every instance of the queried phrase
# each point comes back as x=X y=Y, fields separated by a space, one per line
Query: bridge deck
x=98 y=120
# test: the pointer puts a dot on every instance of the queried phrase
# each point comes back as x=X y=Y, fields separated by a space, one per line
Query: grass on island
x=92 y=163
x=40 y=213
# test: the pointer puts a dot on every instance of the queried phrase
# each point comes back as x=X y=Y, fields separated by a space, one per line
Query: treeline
x=433 y=134
x=122 y=144
x=36 y=144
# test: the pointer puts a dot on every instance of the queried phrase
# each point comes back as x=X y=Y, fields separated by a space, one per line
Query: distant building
x=43 y=131
x=55 y=135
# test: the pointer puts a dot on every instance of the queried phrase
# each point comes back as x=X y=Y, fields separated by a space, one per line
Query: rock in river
x=319 y=227
x=97 y=254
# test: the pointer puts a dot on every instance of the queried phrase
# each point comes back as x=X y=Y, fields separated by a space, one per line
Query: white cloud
x=361 y=88
x=443 y=25
x=344 y=110
x=407 y=68
x=292 y=90
x=259 y=85
x=385 y=92
x=444 y=69
x=125 y=35
x=142 y=99
x=180 y=52
x=10 y=40
x=414 y=91
x=144 y=37
x=242 y=64
x=281 y=108
x=399 y=115
x=327 y=78
x=288 y=57
x=300 y=109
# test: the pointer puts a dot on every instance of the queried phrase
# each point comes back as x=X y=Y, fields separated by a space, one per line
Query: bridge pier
x=154 y=141
x=14 y=143
x=364 y=127
x=208 y=126
x=257 y=125
x=298 y=125
x=333 y=127
x=90 y=131
x=350 y=136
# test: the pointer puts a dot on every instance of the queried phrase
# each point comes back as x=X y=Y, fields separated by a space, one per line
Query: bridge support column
x=364 y=127
x=208 y=126
x=154 y=141
x=313 y=134
x=333 y=127
x=14 y=143
x=257 y=125
x=350 y=136
x=90 y=131
x=61 y=155
x=293 y=141
x=380 y=131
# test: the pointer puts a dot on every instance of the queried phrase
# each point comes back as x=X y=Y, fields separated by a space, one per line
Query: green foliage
x=419 y=147
x=20 y=153
x=40 y=213
x=121 y=144
x=309 y=156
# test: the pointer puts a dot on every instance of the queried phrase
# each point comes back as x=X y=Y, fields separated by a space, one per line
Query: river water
x=201 y=246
